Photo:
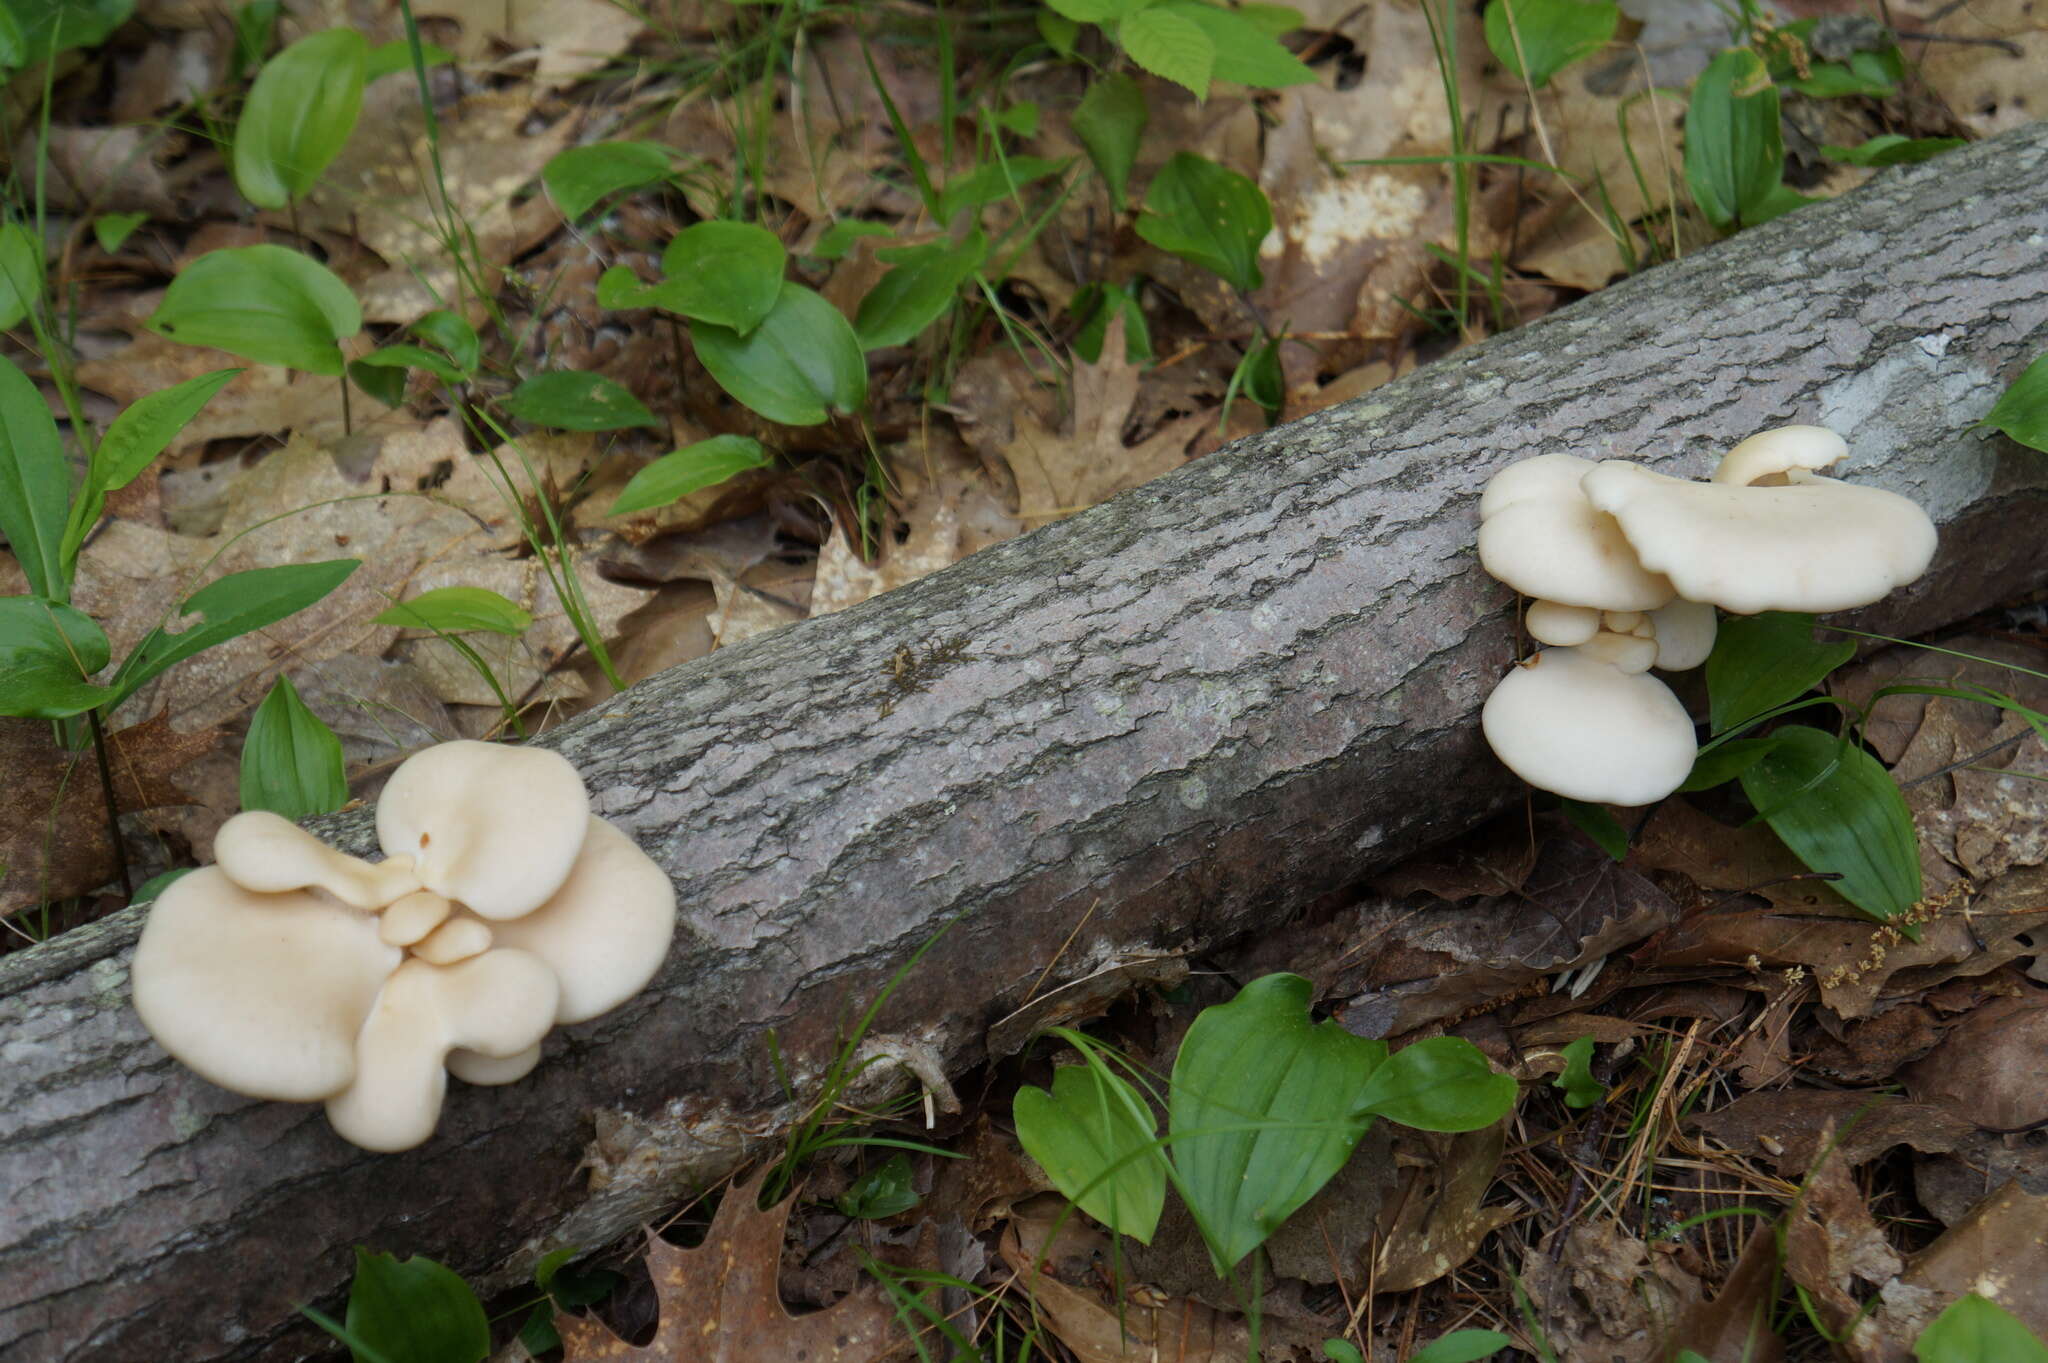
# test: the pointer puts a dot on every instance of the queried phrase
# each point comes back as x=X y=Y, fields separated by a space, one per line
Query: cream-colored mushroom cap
x=1817 y=545
x=499 y=1004
x=1586 y=730
x=1551 y=623
x=1627 y=652
x=259 y=850
x=260 y=993
x=493 y=827
x=1772 y=454
x=606 y=931
x=1685 y=633
x=1539 y=535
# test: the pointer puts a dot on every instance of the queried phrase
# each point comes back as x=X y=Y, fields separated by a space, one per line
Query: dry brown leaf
x=758 y=601
x=1433 y=1220
x=1735 y=1327
x=1607 y=1295
x=1100 y=1333
x=102 y=170
x=1833 y=1247
x=572 y=37
x=719 y=1302
x=1784 y=1127
x=1988 y=1070
x=1991 y=88
x=1996 y=1251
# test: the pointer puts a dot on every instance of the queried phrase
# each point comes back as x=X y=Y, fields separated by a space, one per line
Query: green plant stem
x=99 y=749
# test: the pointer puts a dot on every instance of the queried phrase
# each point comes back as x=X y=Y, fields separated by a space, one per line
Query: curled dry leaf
x=1099 y=1332
x=1435 y=1217
x=1988 y=1070
x=1606 y=1294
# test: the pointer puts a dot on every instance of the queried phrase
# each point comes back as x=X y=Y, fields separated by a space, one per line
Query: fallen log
x=1150 y=728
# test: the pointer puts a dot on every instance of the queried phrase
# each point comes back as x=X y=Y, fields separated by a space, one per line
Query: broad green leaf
x=1171 y=46
x=403 y=357
x=839 y=238
x=1093 y=11
x=1734 y=149
x=1273 y=20
x=690 y=469
x=228 y=608
x=1762 y=661
x=802 y=363
x=1840 y=811
x=299 y=115
x=726 y=273
x=992 y=180
x=112 y=230
x=1553 y=34
x=577 y=179
x=1094 y=1137
x=1462 y=1346
x=1097 y=304
x=255 y=27
x=48 y=652
x=1209 y=216
x=880 y=1192
x=569 y=400
x=1581 y=1089
x=917 y=291
x=2022 y=410
x=13 y=45
x=566 y=1289
x=1020 y=118
x=415 y=1311
x=35 y=484
x=1245 y=52
x=1872 y=74
x=47 y=27
x=387 y=59
x=382 y=380
x=1725 y=763
x=457 y=610
x=456 y=337
x=1975 y=1329
x=291 y=761
x=1442 y=1083
x=136 y=437
x=1263 y=1110
x=1596 y=823
x=1342 y=1351
x=1891 y=149
x=150 y=890
x=264 y=303
x=21 y=273
x=1109 y=123
x=1258 y=375
x=1060 y=32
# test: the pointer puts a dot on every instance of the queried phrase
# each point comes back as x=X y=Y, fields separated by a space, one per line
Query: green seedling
x=569 y=400
x=1110 y=124
x=300 y=113
x=451 y=612
x=411 y=1311
x=580 y=178
x=1975 y=1329
x=291 y=760
x=920 y=288
x=2022 y=410
x=1734 y=148
x=800 y=365
x=693 y=468
x=1535 y=39
x=1189 y=43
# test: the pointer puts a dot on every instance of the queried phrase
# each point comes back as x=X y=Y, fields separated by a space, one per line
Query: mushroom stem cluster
x=1626 y=568
x=291 y=971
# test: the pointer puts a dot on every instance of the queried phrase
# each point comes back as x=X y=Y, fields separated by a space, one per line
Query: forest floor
x=1792 y=1128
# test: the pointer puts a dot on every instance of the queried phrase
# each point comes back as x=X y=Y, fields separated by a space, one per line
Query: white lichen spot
x=186 y=1121
x=1107 y=703
x=1935 y=345
x=1356 y=208
x=108 y=979
x=1194 y=793
x=1370 y=838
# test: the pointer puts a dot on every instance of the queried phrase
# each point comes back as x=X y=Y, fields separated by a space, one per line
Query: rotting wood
x=1181 y=715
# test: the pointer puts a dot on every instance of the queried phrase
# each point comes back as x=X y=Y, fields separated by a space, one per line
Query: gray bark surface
x=1167 y=722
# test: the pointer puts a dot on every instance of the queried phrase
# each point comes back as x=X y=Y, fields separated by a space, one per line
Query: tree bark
x=1146 y=730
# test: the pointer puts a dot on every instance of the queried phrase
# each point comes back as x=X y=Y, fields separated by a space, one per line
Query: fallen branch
x=1145 y=730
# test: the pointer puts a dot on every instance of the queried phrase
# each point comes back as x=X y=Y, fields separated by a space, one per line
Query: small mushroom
x=494 y=828
x=270 y=854
x=1685 y=632
x=1625 y=651
x=1565 y=626
x=1539 y=534
x=1815 y=545
x=1766 y=458
x=1569 y=723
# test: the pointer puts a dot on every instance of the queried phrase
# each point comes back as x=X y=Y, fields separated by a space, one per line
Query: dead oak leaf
x=719 y=1302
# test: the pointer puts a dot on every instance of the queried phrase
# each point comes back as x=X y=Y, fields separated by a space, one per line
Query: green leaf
x=1097 y=304
x=1734 y=150
x=47 y=27
x=35 y=484
x=1596 y=823
x=403 y=357
x=264 y=303
x=1244 y=52
x=291 y=761
x=21 y=273
x=457 y=610
x=917 y=291
x=569 y=400
x=1258 y=374
x=1462 y=1346
x=1839 y=811
x=885 y=1191
x=456 y=337
x=230 y=607
x=1342 y=1351
x=149 y=891
x=1442 y=1083
x=299 y=115
x=48 y=651
x=1263 y=1110
x=992 y=180
x=802 y=362
x=1171 y=46
x=112 y=230
x=690 y=469
x=1093 y=11
x=839 y=238
x=136 y=437
x=1273 y=20
x=567 y=1289
x=381 y=379
x=1762 y=661
x=1020 y=118
x=13 y=45
x=1872 y=74
x=416 y=1311
x=1109 y=123
x=1581 y=1089
x=725 y=273
x=387 y=59
x=1553 y=33
x=1976 y=1330
x=1060 y=32
x=1094 y=1137
x=2022 y=410
x=255 y=26
x=1212 y=217
x=577 y=179
x=1891 y=149
x=1725 y=763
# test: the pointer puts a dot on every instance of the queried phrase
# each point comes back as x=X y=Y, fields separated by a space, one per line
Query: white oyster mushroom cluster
x=291 y=971
x=1626 y=568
